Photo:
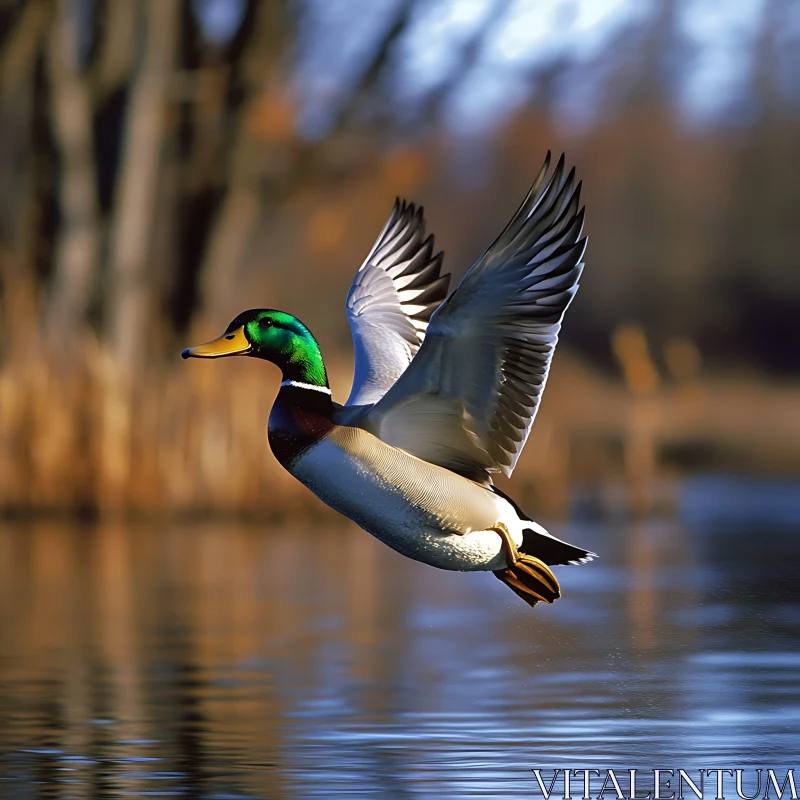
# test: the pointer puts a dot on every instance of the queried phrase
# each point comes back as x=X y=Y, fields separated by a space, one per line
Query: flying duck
x=445 y=391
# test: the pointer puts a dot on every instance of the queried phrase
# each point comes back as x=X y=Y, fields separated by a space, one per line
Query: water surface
x=300 y=661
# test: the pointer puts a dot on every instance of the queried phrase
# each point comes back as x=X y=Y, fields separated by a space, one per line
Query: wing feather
x=470 y=395
x=394 y=294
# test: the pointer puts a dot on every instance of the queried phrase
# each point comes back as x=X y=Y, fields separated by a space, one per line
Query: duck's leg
x=526 y=575
x=512 y=554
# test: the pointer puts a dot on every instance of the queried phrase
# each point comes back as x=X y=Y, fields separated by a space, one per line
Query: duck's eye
x=265 y=322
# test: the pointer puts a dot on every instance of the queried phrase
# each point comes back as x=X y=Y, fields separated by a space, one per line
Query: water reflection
x=230 y=662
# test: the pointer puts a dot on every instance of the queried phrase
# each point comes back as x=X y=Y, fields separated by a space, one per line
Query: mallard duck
x=445 y=389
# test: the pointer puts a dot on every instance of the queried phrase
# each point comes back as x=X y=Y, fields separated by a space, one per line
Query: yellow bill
x=232 y=343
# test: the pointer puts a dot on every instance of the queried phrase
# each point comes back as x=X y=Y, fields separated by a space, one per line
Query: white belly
x=423 y=511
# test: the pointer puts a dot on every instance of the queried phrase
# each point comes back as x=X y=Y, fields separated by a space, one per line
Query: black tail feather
x=551 y=550
x=546 y=548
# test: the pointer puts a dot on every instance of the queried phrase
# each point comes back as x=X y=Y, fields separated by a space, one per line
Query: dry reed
x=186 y=437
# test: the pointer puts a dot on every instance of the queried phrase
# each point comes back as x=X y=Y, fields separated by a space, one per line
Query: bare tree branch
x=77 y=250
x=240 y=206
x=115 y=59
x=128 y=301
x=21 y=49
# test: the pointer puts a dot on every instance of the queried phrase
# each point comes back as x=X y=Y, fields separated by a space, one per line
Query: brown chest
x=299 y=419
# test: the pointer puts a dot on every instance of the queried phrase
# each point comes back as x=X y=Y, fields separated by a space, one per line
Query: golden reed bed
x=185 y=438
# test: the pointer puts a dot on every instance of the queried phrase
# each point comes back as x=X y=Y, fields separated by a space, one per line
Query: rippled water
x=224 y=661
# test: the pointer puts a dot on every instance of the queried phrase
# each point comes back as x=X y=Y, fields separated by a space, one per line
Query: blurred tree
x=129 y=301
x=78 y=249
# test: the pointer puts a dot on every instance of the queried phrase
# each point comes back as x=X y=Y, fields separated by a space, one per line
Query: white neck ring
x=301 y=385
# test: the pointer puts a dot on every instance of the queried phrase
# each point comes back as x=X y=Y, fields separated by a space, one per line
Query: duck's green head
x=274 y=336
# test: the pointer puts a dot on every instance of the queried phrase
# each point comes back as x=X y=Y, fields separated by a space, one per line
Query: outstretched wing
x=393 y=295
x=469 y=397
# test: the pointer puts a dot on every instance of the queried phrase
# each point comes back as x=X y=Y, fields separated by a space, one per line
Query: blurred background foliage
x=168 y=163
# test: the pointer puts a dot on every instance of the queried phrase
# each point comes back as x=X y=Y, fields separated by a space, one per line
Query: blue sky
x=518 y=37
